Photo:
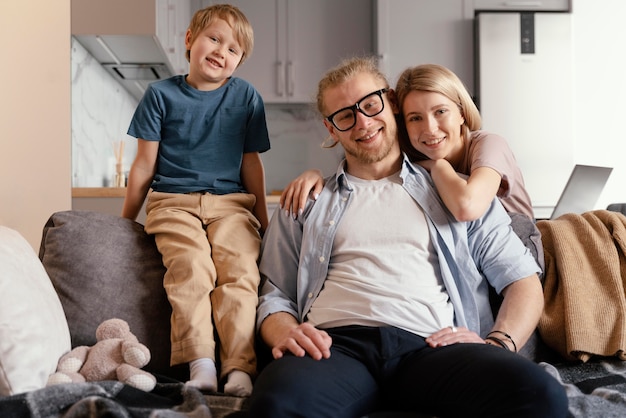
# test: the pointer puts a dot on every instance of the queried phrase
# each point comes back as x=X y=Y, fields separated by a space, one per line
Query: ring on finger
x=453 y=328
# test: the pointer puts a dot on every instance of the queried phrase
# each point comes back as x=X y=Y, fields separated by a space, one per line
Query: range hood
x=133 y=60
x=134 y=40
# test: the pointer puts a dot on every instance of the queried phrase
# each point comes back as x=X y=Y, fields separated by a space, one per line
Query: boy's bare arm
x=140 y=177
x=253 y=179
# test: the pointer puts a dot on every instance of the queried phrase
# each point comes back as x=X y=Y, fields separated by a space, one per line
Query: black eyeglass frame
x=356 y=107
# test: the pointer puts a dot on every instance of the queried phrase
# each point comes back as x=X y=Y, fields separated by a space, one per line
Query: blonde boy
x=199 y=139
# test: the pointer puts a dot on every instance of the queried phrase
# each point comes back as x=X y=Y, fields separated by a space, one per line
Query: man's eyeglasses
x=370 y=105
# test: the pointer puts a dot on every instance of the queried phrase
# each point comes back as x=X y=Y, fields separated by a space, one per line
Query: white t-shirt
x=383 y=269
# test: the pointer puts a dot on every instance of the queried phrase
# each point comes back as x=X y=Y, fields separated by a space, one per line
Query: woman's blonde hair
x=235 y=18
x=438 y=79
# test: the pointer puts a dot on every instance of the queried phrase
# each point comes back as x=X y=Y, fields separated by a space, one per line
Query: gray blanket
x=107 y=399
x=596 y=389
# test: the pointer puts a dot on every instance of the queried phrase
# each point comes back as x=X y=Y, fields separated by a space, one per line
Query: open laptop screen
x=582 y=190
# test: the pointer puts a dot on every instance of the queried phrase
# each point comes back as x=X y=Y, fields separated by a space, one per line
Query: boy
x=199 y=139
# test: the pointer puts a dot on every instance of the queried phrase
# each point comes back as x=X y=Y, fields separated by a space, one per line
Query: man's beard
x=369 y=156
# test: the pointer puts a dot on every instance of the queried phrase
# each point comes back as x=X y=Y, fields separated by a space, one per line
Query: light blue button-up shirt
x=296 y=253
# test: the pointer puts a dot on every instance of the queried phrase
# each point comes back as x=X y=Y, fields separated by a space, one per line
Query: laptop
x=582 y=190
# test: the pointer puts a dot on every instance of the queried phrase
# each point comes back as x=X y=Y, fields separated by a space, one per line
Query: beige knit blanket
x=584 y=289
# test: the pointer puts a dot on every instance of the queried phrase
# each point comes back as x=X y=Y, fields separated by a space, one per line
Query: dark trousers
x=387 y=368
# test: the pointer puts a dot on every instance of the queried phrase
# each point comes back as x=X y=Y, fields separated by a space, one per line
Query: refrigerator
x=524 y=90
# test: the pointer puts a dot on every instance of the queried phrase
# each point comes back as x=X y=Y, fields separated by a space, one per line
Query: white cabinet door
x=297 y=41
x=182 y=17
x=265 y=68
x=320 y=34
x=173 y=18
x=413 y=32
x=522 y=5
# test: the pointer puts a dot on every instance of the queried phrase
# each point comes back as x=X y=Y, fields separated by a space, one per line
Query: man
x=376 y=297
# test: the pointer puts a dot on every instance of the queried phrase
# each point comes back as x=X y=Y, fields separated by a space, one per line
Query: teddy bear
x=117 y=355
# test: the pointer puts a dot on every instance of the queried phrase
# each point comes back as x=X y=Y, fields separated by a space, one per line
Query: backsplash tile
x=101 y=113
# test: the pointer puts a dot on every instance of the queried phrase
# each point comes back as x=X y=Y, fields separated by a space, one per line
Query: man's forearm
x=521 y=309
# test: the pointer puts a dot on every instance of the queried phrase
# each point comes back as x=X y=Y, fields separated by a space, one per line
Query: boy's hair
x=235 y=18
x=439 y=79
x=347 y=69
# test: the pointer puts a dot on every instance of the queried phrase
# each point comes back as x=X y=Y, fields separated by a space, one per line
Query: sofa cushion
x=104 y=266
x=33 y=330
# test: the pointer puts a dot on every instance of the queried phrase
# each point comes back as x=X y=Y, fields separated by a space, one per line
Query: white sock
x=238 y=384
x=203 y=374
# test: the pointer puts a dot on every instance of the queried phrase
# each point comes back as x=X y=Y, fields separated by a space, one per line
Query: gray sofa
x=104 y=266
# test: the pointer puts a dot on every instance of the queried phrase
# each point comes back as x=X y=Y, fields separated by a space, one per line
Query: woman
x=442 y=124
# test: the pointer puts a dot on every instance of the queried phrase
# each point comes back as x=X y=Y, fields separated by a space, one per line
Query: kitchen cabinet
x=173 y=18
x=409 y=33
x=522 y=5
x=297 y=41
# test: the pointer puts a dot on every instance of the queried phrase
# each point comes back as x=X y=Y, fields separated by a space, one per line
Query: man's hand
x=453 y=335
x=303 y=339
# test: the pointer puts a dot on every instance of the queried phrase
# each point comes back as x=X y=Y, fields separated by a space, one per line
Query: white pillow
x=33 y=330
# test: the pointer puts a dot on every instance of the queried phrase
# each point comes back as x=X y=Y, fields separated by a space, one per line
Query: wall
x=102 y=16
x=600 y=91
x=34 y=114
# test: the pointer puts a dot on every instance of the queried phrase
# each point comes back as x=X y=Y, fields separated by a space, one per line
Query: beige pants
x=210 y=246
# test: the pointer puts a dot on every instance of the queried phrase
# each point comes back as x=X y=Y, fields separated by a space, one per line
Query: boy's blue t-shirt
x=203 y=134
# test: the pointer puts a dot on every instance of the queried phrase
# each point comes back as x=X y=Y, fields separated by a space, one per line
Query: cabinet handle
x=290 y=79
x=280 y=78
x=522 y=3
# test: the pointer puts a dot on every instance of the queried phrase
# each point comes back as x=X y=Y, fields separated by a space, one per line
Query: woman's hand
x=294 y=197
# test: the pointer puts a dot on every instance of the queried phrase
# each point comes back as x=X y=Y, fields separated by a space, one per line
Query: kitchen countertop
x=121 y=192
x=98 y=191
